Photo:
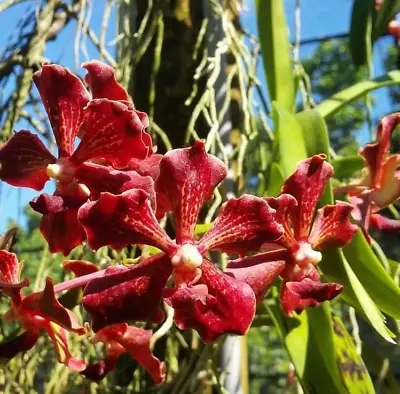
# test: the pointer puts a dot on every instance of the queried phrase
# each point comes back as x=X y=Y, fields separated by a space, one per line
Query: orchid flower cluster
x=112 y=190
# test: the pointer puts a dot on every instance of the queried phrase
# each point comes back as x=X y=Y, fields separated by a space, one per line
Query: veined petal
x=375 y=153
x=23 y=161
x=62 y=231
x=187 y=180
x=112 y=131
x=332 y=226
x=389 y=189
x=125 y=294
x=98 y=370
x=218 y=304
x=135 y=341
x=259 y=271
x=99 y=179
x=103 y=82
x=362 y=209
x=59 y=337
x=149 y=166
x=20 y=343
x=10 y=271
x=80 y=267
x=306 y=185
x=285 y=206
x=121 y=220
x=45 y=304
x=242 y=225
x=64 y=96
x=383 y=223
x=296 y=296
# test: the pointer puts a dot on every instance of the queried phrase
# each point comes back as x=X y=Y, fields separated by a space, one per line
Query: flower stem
x=77 y=282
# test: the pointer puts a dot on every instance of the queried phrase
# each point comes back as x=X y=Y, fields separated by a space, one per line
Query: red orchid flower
x=379 y=185
x=120 y=339
x=36 y=312
x=304 y=236
x=204 y=298
x=111 y=131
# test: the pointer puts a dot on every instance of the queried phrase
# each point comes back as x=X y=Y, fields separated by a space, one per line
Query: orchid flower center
x=306 y=255
x=61 y=171
x=187 y=255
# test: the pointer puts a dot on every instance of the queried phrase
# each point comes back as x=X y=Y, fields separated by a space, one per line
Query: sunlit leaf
x=334 y=103
x=275 y=47
x=345 y=167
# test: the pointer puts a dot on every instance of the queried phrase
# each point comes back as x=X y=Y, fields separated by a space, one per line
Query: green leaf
x=334 y=103
x=275 y=48
x=360 y=42
x=201 y=229
x=275 y=180
x=337 y=269
x=309 y=341
x=389 y=9
x=289 y=137
x=374 y=278
x=345 y=167
x=354 y=373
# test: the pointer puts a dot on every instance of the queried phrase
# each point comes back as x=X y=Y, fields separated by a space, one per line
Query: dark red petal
x=307 y=185
x=383 y=223
x=62 y=231
x=45 y=304
x=375 y=153
x=98 y=370
x=243 y=225
x=285 y=206
x=20 y=343
x=149 y=166
x=99 y=178
x=121 y=220
x=259 y=271
x=296 y=296
x=10 y=271
x=332 y=227
x=112 y=131
x=219 y=304
x=64 y=96
x=23 y=161
x=135 y=341
x=103 y=82
x=80 y=267
x=187 y=180
x=124 y=293
x=59 y=337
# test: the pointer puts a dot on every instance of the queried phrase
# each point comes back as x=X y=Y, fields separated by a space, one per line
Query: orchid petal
x=332 y=227
x=80 y=267
x=99 y=178
x=23 y=161
x=259 y=271
x=242 y=225
x=121 y=220
x=124 y=293
x=114 y=132
x=149 y=166
x=382 y=223
x=375 y=153
x=296 y=296
x=10 y=271
x=20 y=343
x=64 y=96
x=103 y=82
x=218 y=304
x=45 y=304
x=187 y=180
x=306 y=185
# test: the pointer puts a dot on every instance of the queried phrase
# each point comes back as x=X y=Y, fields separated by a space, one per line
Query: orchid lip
x=187 y=255
x=307 y=255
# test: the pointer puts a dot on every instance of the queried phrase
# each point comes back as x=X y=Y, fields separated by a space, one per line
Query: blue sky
x=318 y=18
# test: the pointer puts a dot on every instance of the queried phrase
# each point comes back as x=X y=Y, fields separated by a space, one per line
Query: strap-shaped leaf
x=334 y=103
x=275 y=47
x=346 y=166
x=360 y=42
x=289 y=138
